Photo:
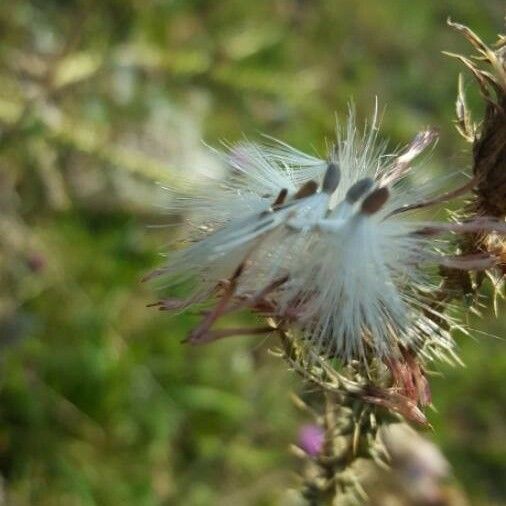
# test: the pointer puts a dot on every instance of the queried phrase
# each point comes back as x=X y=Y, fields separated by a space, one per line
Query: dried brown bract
x=488 y=138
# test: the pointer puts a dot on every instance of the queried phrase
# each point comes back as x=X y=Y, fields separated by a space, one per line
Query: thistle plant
x=336 y=257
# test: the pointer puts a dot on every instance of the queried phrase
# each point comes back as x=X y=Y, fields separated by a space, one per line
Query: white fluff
x=356 y=275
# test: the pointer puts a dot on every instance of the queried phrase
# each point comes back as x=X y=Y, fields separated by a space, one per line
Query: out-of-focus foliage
x=100 y=404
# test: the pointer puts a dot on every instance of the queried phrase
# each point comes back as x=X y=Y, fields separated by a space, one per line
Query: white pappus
x=327 y=247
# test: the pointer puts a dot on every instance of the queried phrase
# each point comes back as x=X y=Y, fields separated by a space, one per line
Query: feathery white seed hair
x=354 y=265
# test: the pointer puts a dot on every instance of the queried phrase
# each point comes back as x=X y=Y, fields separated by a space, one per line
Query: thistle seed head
x=347 y=269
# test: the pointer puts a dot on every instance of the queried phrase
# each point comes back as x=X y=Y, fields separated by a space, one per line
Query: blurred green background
x=100 y=404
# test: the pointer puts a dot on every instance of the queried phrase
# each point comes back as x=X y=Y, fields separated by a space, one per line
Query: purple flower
x=311 y=439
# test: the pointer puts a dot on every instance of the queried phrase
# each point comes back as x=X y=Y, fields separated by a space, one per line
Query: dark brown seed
x=280 y=198
x=359 y=189
x=375 y=200
x=306 y=190
x=331 y=179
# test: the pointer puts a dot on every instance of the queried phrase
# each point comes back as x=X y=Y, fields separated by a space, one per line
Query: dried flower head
x=327 y=247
